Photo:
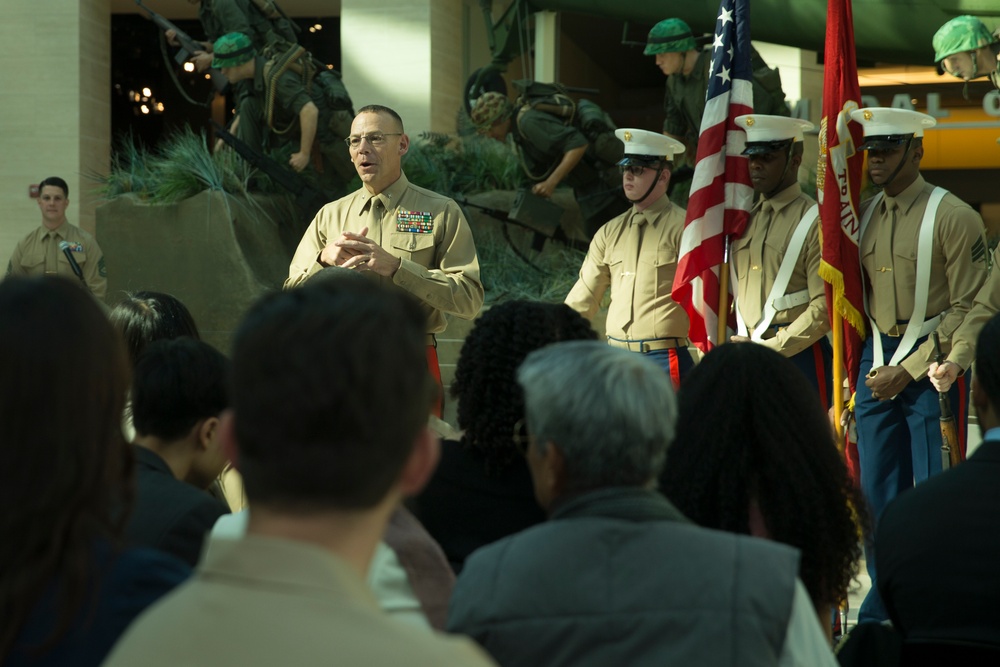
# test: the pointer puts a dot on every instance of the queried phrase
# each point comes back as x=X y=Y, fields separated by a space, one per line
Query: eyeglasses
x=521 y=437
x=633 y=169
x=376 y=139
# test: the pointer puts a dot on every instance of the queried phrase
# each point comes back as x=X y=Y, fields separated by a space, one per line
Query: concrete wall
x=55 y=117
x=405 y=54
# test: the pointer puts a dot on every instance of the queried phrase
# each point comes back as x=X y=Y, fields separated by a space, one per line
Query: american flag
x=838 y=179
x=721 y=194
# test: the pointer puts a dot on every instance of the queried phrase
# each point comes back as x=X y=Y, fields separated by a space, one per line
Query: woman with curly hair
x=482 y=490
x=66 y=591
x=755 y=454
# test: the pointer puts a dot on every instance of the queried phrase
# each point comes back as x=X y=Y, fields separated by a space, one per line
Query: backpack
x=553 y=98
x=330 y=90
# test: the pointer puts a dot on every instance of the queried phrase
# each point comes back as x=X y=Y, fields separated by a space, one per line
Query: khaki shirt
x=641 y=305
x=985 y=306
x=438 y=264
x=270 y=601
x=757 y=256
x=38 y=254
x=889 y=260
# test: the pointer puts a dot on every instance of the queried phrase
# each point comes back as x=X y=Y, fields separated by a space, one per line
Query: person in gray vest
x=618 y=576
x=780 y=297
x=923 y=255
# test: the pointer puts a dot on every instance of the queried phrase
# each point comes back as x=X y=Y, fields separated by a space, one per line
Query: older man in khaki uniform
x=635 y=254
x=48 y=249
x=397 y=233
x=780 y=298
x=923 y=253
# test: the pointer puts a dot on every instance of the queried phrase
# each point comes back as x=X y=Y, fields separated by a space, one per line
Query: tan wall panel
x=388 y=59
x=447 y=71
x=50 y=53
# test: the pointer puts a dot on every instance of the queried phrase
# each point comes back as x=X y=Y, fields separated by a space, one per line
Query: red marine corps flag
x=838 y=181
x=721 y=194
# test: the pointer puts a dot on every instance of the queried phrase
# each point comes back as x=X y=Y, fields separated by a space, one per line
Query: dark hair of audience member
x=330 y=389
x=988 y=361
x=159 y=406
x=490 y=401
x=64 y=464
x=751 y=431
x=143 y=317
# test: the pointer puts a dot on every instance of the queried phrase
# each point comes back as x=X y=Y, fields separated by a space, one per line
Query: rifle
x=951 y=452
x=307 y=198
x=188 y=46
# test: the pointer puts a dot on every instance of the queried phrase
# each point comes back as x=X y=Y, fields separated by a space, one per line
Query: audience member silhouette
x=481 y=490
x=617 y=576
x=330 y=399
x=66 y=590
x=755 y=455
x=179 y=391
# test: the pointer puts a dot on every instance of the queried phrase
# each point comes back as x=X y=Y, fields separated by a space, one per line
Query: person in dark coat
x=481 y=490
x=618 y=576
x=179 y=392
x=936 y=546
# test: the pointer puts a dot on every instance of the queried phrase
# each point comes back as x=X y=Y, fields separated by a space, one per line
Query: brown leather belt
x=648 y=345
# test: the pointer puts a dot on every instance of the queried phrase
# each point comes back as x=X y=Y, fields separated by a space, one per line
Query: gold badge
x=868 y=115
x=627 y=135
x=750 y=121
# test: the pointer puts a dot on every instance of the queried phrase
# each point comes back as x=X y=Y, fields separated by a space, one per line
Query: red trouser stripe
x=824 y=398
x=675 y=368
x=435 y=369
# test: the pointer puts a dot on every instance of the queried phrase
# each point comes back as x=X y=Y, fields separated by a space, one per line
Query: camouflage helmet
x=669 y=36
x=232 y=49
x=488 y=109
x=963 y=33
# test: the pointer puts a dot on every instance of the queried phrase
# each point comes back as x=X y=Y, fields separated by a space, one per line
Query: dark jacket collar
x=988 y=450
x=621 y=502
x=147 y=458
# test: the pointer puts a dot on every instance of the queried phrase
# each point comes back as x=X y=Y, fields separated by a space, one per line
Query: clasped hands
x=360 y=253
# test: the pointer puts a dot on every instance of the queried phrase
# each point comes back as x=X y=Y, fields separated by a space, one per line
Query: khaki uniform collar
x=656 y=208
x=780 y=200
x=904 y=200
x=389 y=197
x=59 y=231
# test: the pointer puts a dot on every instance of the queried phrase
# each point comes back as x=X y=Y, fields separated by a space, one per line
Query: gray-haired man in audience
x=618 y=576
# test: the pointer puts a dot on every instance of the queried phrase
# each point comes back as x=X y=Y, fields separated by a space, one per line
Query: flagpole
x=837 y=324
x=723 y=294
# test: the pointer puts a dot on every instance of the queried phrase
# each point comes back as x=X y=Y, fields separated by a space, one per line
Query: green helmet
x=964 y=33
x=232 y=49
x=669 y=36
